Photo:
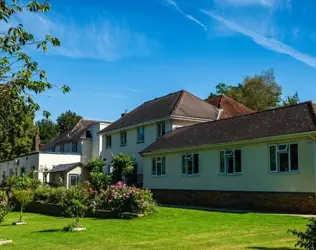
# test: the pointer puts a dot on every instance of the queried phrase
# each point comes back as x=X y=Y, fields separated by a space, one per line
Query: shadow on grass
x=49 y=231
x=272 y=248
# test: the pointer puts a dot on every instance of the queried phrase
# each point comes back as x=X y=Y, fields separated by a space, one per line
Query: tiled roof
x=74 y=134
x=292 y=119
x=181 y=103
x=65 y=167
x=229 y=106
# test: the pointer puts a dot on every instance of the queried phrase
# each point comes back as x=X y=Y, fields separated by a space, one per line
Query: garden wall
x=303 y=203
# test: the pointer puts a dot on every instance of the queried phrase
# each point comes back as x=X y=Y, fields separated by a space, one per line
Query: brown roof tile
x=181 y=103
x=229 y=106
x=280 y=121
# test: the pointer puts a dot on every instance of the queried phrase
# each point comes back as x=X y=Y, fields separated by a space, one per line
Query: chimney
x=123 y=114
x=36 y=143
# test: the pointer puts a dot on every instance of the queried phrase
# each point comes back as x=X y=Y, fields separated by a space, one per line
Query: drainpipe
x=314 y=162
x=219 y=114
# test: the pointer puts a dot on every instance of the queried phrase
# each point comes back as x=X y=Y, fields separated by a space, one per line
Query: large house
x=139 y=128
x=264 y=160
x=60 y=157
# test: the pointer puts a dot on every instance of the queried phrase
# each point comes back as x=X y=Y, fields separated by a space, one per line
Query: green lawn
x=169 y=229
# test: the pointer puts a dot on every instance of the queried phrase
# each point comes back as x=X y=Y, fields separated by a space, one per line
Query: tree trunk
x=21 y=213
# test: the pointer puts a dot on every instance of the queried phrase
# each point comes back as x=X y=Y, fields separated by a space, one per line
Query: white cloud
x=268 y=43
x=99 y=39
x=264 y=3
x=190 y=17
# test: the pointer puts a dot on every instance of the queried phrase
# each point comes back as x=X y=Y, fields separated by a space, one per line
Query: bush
x=23 y=198
x=22 y=182
x=307 y=239
x=121 y=199
x=4 y=205
x=49 y=194
x=74 y=203
x=122 y=165
x=95 y=165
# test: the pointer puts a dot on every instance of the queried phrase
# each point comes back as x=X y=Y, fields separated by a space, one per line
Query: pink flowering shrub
x=120 y=199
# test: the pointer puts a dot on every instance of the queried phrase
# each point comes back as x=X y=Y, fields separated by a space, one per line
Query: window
x=190 y=164
x=283 y=157
x=53 y=148
x=22 y=170
x=73 y=180
x=161 y=129
x=123 y=138
x=108 y=141
x=230 y=161
x=141 y=134
x=62 y=148
x=75 y=147
x=159 y=166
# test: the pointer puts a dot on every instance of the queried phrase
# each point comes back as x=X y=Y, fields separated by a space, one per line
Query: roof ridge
x=249 y=114
x=312 y=111
x=177 y=102
x=157 y=98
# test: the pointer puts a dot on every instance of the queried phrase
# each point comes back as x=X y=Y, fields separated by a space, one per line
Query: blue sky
x=116 y=54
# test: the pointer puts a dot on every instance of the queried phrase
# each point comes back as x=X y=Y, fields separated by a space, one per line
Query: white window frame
x=123 y=143
x=190 y=156
x=107 y=139
x=161 y=160
x=229 y=153
x=282 y=151
x=139 y=139
x=160 y=131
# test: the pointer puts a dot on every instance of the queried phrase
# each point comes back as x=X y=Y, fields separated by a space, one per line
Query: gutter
x=314 y=153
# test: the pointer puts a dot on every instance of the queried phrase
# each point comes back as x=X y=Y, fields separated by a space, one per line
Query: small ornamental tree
x=22 y=182
x=74 y=203
x=98 y=179
x=23 y=198
x=123 y=165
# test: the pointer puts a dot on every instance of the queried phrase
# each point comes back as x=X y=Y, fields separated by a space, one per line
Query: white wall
x=97 y=139
x=255 y=171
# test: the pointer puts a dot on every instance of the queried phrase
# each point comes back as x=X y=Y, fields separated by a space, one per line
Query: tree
x=47 y=130
x=122 y=165
x=291 y=100
x=98 y=179
x=258 y=92
x=23 y=198
x=20 y=76
x=4 y=205
x=67 y=120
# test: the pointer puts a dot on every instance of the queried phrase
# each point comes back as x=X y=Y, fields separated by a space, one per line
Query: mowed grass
x=171 y=228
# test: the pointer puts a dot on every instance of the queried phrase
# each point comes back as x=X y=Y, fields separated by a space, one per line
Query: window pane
x=163 y=128
x=163 y=171
x=294 y=156
x=153 y=171
x=238 y=161
x=230 y=164
x=284 y=161
x=190 y=167
x=183 y=164
x=282 y=147
x=222 y=161
x=273 y=163
x=196 y=163
x=158 y=168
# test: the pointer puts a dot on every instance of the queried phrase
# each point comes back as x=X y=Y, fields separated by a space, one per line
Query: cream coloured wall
x=255 y=171
x=97 y=139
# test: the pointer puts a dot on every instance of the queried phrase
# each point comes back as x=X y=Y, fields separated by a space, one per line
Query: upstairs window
x=161 y=129
x=230 y=161
x=75 y=147
x=158 y=166
x=123 y=136
x=283 y=157
x=108 y=141
x=62 y=148
x=190 y=164
x=140 y=134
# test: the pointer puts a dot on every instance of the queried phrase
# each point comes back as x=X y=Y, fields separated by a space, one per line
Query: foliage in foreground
x=122 y=164
x=22 y=182
x=98 y=179
x=4 y=205
x=307 y=239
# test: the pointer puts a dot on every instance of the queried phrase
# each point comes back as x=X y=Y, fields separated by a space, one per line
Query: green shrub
x=4 y=205
x=74 y=203
x=307 y=239
x=23 y=198
x=121 y=199
x=22 y=182
x=95 y=165
x=49 y=194
x=122 y=165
